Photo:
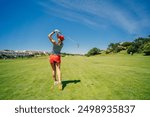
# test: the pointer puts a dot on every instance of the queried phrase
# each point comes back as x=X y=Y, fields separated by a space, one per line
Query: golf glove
x=56 y=31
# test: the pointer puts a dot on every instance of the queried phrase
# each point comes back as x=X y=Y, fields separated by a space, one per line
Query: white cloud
x=100 y=13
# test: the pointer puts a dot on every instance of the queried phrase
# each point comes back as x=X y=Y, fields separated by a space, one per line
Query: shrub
x=93 y=51
x=108 y=51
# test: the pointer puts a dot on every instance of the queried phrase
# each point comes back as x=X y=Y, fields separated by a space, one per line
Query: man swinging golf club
x=55 y=57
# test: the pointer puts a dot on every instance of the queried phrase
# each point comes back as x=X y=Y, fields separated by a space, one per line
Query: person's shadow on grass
x=65 y=83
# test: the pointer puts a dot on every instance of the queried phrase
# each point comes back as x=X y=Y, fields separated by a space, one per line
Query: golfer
x=55 y=57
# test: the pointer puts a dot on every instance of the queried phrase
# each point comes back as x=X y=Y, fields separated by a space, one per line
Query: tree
x=118 y=49
x=93 y=51
x=132 y=49
x=146 y=49
x=139 y=45
x=126 y=44
x=140 y=42
x=113 y=47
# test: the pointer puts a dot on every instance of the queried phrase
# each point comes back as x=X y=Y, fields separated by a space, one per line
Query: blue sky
x=25 y=24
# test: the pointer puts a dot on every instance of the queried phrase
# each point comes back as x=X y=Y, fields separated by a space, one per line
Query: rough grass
x=122 y=77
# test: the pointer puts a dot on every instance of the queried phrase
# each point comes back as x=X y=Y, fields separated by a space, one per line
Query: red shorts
x=54 y=58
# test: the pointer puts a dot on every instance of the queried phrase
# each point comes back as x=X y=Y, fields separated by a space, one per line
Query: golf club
x=67 y=37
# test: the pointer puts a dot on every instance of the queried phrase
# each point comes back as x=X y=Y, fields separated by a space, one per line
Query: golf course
x=100 y=77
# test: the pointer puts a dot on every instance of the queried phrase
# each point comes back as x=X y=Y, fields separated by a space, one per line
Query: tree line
x=139 y=45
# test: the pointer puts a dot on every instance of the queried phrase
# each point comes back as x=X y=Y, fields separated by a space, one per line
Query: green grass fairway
x=114 y=77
